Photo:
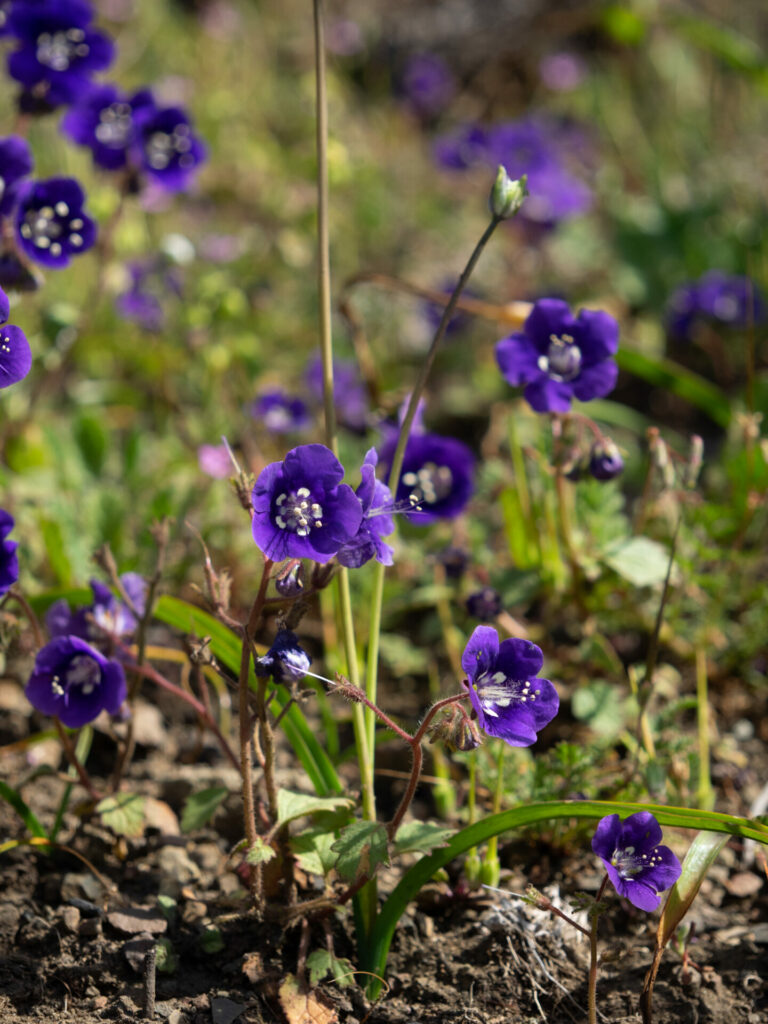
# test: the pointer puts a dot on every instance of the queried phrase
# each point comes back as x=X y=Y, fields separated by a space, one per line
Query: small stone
x=75 y=886
x=70 y=919
x=135 y=951
x=225 y=1011
x=207 y=855
x=177 y=1017
x=133 y=920
x=194 y=910
x=89 y=928
x=177 y=870
x=99 y=1002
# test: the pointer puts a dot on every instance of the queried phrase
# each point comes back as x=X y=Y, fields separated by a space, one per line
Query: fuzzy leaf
x=639 y=560
x=123 y=813
x=292 y=805
x=260 y=852
x=361 y=847
x=421 y=836
x=314 y=852
x=200 y=807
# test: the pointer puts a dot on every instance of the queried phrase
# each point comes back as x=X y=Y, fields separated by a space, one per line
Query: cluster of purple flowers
x=728 y=299
x=15 y=353
x=540 y=148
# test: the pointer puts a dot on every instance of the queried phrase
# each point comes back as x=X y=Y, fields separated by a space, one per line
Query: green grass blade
x=521 y=817
x=225 y=645
x=26 y=814
x=670 y=376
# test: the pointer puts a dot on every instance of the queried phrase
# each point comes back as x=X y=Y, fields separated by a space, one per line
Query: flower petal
x=517 y=357
x=15 y=355
x=595 y=381
x=480 y=653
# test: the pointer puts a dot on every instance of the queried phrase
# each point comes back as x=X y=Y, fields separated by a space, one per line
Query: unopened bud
x=455 y=730
x=290 y=581
x=507 y=194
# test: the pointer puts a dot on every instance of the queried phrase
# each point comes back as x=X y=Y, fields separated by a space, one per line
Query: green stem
x=704 y=796
x=492 y=850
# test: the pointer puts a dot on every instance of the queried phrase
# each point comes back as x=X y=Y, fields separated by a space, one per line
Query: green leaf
x=55 y=549
x=361 y=846
x=599 y=704
x=314 y=851
x=123 y=813
x=28 y=816
x=322 y=963
x=91 y=439
x=668 y=375
x=260 y=852
x=292 y=805
x=421 y=836
x=211 y=940
x=200 y=807
x=169 y=908
x=167 y=961
x=698 y=860
x=640 y=560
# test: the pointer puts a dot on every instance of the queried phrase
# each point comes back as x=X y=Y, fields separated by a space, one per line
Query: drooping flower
x=15 y=164
x=484 y=604
x=9 y=560
x=75 y=682
x=58 y=51
x=280 y=413
x=51 y=225
x=107 y=616
x=732 y=300
x=286 y=661
x=605 y=461
x=301 y=508
x=376 y=501
x=637 y=865
x=437 y=477
x=510 y=700
x=15 y=353
x=558 y=357
x=349 y=394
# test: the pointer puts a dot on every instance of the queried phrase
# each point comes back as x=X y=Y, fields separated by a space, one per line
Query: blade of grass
x=26 y=814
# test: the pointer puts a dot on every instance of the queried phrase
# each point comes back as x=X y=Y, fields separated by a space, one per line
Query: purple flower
x=280 y=413
x=605 y=461
x=428 y=84
x=103 y=120
x=150 y=281
x=637 y=866
x=9 y=561
x=285 y=661
x=105 y=617
x=376 y=501
x=75 y=682
x=15 y=353
x=301 y=508
x=349 y=394
x=437 y=477
x=484 y=604
x=50 y=223
x=462 y=148
x=214 y=460
x=558 y=357
x=510 y=700
x=729 y=299
x=168 y=150
x=57 y=52
x=15 y=163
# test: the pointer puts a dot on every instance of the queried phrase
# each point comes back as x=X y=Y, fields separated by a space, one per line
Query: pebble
x=70 y=918
x=89 y=928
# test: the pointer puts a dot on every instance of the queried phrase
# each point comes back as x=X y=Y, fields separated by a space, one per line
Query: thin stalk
x=492 y=850
x=592 y=992
x=704 y=796
x=74 y=760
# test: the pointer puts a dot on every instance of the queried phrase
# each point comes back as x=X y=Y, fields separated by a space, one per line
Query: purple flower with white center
x=107 y=616
x=428 y=84
x=437 y=477
x=58 y=51
x=349 y=394
x=103 y=120
x=510 y=700
x=558 y=357
x=376 y=501
x=301 y=507
x=286 y=661
x=280 y=413
x=167 y=149
x=15 y=353
x=9 y=560
x=15 y=164
x=605 y=461
x=730 y=299
x=465 y=147
x=484 y=604
x=51 y=225
x=637 y=865
x=75 y=682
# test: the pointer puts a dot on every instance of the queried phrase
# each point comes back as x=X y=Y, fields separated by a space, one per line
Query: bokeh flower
x=637 y=865
x=106 y=617
x=428 y=84
x=376 y=501
x=15 y=164
x=103 y=120
x=51 y=225
x=558 y=357
x=170 y=151
x=349 y=394
x=484 y=604
x=510 y=700
x=150 y=281
x=75 y=682
x=214 y=460
x=15 y=353
x=732 y=300
x=9 y=561
x=301 y=508
x=280 y=413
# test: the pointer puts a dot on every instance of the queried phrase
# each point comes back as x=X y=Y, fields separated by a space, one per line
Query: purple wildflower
x=484 y=604
x=510 y=700
x=729 y=299
x=301 y=508
x=637 y=866
x=349 y=394
x=75 y=682
x=58 y=51
x=280 y=413
x=376 y=501
x=51 y=225
x=15 y=353
x=605 y=461
x=103 y=120
x=169 y=151
x=285 y=660
x=150 y=282
x=437 y=477
x=15 y=164
x=105 y=617
x=558 y=357
x=427 y=84
x=462 y=148
x=9 y=561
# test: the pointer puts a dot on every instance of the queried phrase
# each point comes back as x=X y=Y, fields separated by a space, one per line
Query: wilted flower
x=9 y=561
x=75 y=682
x=484 y=604
x=437 y=477
x=558 y=357
x=637 y=866
x=285 y=661
x=301 y=508
x=376 y=501
x=280 y=413
x=15 y=164
x=106 y=616
x=605 y=461
x=15 y=353
x=456 y=730
x=729 y=299
x=291 y=580
x=510 y=700
x=50 y=223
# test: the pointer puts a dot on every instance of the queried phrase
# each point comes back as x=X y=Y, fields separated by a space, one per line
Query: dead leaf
x=253 y=967
x=303 y=1008
x=158 y=814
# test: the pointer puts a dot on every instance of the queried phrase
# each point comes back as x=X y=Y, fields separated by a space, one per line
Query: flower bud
x=507 y=194
x=484 y=604
x=291 y=580
x=455 y=730
x=605 y=461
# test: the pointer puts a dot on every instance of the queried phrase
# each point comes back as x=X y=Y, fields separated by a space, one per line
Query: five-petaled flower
x=75 y=682
x=15 y=353
x=376 y=501
x=510 y=700
x=637 y=865
x=437 y=477
x=106 y=617
x=9 y=561
x=558 y=356
x=51 y=225
x=301 y=508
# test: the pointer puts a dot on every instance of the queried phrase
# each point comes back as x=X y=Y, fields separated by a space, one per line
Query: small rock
x=99 y=1002
x=743 y=883
x=74 y=886
x=89 y=928
x=148 y=726
x=194 y=910
x=133 y=920
x=177 y=870
x=177 y=1017
x=225 y=1011
x=207 y=855
x=70 y=919
x=135 y=951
